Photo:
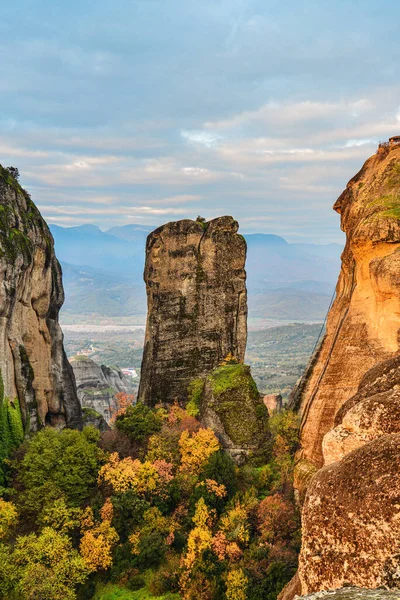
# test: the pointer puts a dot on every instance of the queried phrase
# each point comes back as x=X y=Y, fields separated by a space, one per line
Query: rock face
x=351 y=512
x=33 y=364
x=197 y=305
x=351 y=520
x=230 y=404
x=372 y=412
x=363 y=324
x=97 y=385
x=273 y=402
x=350 y=401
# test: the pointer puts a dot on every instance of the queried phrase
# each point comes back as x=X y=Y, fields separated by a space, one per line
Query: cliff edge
x=364 y=321
x=36 y=376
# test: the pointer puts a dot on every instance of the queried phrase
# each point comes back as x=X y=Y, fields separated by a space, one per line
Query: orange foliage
x=122 y=401
x=98 y=539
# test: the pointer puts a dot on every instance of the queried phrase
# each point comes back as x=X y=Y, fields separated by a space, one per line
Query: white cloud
x=203 y=138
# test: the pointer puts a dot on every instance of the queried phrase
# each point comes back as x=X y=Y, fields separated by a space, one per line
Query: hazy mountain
x=103 y=273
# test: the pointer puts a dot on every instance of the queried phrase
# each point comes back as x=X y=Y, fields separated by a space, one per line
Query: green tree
x=49 y=567
x=59 y=464
x=139 y=422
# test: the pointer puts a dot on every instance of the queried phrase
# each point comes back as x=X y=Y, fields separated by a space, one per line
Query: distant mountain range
x=103 y=274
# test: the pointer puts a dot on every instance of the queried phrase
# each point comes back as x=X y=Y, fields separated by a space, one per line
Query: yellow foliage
x=134 y=540
x=8 y=517
x=235 y=525
x=96 y=546
x=98 y=540
x=127 y=474
x=200 y=539
x=236 y=585
x=196 y=449
x=142 y=477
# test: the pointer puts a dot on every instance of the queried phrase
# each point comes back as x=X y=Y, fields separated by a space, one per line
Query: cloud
x=162 y=110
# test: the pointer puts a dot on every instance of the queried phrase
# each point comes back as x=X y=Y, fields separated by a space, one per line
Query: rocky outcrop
x=97 y=386
x=273 y=402
x=33 y=364
x=363 y=324
x=231 y=405
x=372 y=412
x=197 y=305
x=351 y=512
x=350 y=401
x=351 y=520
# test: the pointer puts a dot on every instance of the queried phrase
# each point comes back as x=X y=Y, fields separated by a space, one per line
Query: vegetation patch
x=11 y=429
x=115 y=592
x=230 y=377
x=389 y=206
x=90 y=413
x=195 y=390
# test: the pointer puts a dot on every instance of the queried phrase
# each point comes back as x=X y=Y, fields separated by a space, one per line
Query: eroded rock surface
x=273 y=402
x=351 y=520
x=372 y=412
x=33 y=364
x=197 y=305
x=363 y=324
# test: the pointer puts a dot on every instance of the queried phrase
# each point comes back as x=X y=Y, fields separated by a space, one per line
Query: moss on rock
x=195 y=390
x=231 y=405
x=11 y=428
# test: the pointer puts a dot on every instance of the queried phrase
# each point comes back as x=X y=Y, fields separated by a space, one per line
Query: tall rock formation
x=350 y=401
x=363 y=324
x=197 y=305
x=33 y=364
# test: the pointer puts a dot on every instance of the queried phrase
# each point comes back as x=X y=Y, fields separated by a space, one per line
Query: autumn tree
x=122 y=400
x=98 y=539
x=8 y=517
x=196 y=449
x=48 y=566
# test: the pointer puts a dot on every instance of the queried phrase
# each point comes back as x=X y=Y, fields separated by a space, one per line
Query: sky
x=147 y=111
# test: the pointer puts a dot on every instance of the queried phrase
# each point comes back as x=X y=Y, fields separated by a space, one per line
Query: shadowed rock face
x=33 y=363
x=197 y=305
x=363 y=324
x=97 y=385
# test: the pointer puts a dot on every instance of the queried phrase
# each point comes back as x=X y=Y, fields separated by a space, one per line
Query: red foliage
x=277 y=519
x=116 y=441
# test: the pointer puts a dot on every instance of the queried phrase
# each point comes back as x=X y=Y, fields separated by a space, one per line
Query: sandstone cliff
x=197 y=305
x=363 y=324
x=97 y=385
x=34 y=368
x=350 y=401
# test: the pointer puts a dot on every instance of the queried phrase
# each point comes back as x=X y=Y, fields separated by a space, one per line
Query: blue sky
x=146 y=111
